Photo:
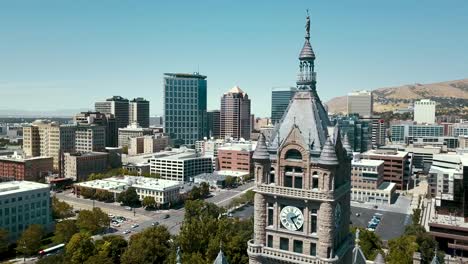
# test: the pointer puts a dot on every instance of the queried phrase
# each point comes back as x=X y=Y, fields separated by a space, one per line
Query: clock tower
x=302 y=182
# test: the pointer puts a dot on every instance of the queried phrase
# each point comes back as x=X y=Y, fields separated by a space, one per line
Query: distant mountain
x=40 y=114
x=448 y=94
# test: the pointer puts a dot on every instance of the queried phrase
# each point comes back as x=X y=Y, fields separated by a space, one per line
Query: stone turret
x=220 y=259
x=328 y=155
x=262 y=163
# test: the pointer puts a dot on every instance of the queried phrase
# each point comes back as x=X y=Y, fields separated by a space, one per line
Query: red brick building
x=29 y=169
x=397 y=165
x=235 y=157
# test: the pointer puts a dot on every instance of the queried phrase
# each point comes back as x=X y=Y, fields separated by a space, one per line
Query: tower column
x=326 y=228
x=259 y=219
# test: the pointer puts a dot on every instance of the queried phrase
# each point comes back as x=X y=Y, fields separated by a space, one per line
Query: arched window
x=293 y=154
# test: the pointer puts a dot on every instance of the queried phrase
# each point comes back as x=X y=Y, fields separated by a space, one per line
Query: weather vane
x=307 y=24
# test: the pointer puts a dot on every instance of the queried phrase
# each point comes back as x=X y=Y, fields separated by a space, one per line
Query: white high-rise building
x=360 y=102
x=424 y=111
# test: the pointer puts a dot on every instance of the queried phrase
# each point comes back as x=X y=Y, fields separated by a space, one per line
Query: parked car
x=126 y=232
x=155 y=223
x=166 y=216
x=128 y=208
x=135 y=225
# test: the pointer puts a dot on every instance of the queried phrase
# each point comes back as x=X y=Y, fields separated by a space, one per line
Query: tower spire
x=306 y=77
x=307 y=36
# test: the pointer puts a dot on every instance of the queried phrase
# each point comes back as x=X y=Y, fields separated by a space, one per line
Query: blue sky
x=68 y=54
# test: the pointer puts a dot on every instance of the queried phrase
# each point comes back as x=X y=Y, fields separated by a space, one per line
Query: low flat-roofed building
x=180 y=164
x=213 y=179
x=139 y=168
x=79 y=165
x=23 y=203
x=397 y=165
x=18 y=168
x=163 y=191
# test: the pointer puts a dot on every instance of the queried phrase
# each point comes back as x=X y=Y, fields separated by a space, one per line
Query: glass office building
x=358 y=131
x=280 y=98
x=185 y=117
x=401 y=131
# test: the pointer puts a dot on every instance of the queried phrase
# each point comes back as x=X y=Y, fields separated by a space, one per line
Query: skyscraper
x=118 y=106
x=185 y=107
x=235 y=114
x=214 y=123
x=280 y=98
x=139 y=110
x=302 y=183
x=360 y=102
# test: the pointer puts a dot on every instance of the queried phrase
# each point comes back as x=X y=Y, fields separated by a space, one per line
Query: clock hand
x=294 y=217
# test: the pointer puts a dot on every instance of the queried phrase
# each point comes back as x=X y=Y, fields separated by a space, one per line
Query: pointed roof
x=347 y=146
x=307 y=53
x=379 y=259
x=220 y=259
x=328 y=155
x=358 y=255
x=305 y=111
x=236 y=89
x=261 y=151
x=178 y=257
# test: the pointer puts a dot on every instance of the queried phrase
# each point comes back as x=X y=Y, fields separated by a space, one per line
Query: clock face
x=292 y=218
x=337 y=215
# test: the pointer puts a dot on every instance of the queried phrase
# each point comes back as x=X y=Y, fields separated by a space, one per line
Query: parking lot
x=392 y=224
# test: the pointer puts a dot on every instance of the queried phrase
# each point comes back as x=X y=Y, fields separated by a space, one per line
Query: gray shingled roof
x=261 y=151
x=328 y=155
x=306 y=112
x=307 y=52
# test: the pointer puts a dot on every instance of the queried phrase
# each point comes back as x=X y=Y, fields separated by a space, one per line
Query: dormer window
x=293 y=154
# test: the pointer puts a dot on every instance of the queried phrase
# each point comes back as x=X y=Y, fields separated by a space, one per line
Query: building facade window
x=284 y=243
x=313 y=221
x=297 y=246
x=270 y=241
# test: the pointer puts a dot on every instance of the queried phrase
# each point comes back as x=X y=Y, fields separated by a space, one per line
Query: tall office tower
x=118 y=106
x=360 y=102
x=280 y=98
x=89 y=138
x=302 y=183
x=235 y=114
x=139 y=109
x=424 y=111
x=45 y=138
x=105 y=120
x=214 y=123
x=359 y=132
x=378 y=132
x=185 y=107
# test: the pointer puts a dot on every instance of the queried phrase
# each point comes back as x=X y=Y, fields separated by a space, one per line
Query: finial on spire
x=307 y=36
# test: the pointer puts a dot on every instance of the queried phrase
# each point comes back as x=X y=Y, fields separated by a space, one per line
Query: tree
x=104 y=196
x=204 y=189
x=129 y=197
x=112 y=246
x=80 y=248
x=203 y=230
x=93 y=222
x=370 y=243
x=194 y=194
x=401 y=250
x=149 y=202
x=3 y=241
x=30 y=241
x=65 y=230
x=150 y=246
x=416 y=216
x=87 y=193
x=53 y=259
x=99 y=259
x=61 y=209
x=230 y=182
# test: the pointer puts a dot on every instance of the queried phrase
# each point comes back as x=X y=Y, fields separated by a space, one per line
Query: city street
x=146 y=218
